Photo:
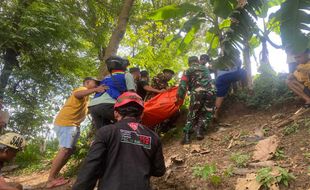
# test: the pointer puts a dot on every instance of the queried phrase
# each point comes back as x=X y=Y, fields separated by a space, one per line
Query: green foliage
x=265 y=177
x=297 y=21
x=34 y=158
x=50 y=58
x=223 y=8
x=173 y=11
x=268 y=176
x=195 y=24
x=268 y=90
x=285 y=177
x=153 y=48
x=239 y=159
x=209 y=173
x=204 y=172
x=280 y=154
x=290 y=129
x=229 y=171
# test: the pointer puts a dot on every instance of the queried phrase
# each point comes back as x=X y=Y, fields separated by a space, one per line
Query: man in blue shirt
x=224 y=79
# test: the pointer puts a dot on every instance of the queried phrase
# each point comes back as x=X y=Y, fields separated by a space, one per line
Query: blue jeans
x=223 y=82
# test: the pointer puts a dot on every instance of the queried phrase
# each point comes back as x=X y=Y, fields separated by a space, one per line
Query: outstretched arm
x=151 y=89
x=82 y=93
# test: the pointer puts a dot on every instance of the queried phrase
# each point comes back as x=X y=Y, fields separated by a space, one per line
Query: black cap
x=144 y=73
x=193 y=59
x=168 y=71
x=134 y=69
x=126 y=62
x=205 y=57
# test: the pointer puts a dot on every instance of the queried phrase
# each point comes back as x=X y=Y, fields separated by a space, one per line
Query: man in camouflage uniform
x=160 y=82
x=197 y=81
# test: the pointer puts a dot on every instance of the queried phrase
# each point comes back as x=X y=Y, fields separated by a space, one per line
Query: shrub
x=268 y=89
x=33 y=158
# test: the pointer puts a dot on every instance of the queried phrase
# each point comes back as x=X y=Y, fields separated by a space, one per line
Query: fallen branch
x=293 y=118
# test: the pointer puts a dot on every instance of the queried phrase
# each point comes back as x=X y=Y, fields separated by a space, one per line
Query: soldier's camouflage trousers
x=201 y=110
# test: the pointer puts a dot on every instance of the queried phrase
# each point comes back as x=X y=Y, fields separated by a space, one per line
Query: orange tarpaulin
x=160 y=108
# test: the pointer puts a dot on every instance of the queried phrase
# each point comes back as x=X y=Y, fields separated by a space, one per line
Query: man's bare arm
x=151 y=89
x=82 y=93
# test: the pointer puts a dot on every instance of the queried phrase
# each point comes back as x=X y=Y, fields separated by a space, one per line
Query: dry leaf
x=266 y=148
x=248 y=183
x=195 y=148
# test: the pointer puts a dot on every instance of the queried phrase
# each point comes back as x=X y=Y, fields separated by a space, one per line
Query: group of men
x=206 y=96
x=122 y=145
x=124 y=153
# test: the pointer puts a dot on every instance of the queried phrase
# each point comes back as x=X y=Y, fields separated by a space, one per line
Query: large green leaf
x=173 y=11
x=195 y=24
x=293 y=19
x=225 y=24
x=272 y=3
x=223 y=8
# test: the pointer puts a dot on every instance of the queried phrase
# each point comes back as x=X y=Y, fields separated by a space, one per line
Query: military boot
x=199 y=133
x=186 y=139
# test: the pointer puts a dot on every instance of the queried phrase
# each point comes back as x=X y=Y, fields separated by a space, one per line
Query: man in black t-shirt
x=143 y=85
x=124 y=155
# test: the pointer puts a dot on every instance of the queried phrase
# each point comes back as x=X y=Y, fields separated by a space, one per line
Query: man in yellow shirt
x=299 y=81
x=67 y=124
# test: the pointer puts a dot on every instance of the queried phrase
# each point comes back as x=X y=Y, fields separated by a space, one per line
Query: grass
x=229 y=171
x=32 y=159
x=240 y=159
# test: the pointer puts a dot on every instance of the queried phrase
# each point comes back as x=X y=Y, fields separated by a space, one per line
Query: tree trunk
x=10 y=61
x=264 y=58
x=247 y=62
x=117 y=35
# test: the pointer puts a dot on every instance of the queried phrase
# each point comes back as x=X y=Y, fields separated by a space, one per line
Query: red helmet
x=128 y=97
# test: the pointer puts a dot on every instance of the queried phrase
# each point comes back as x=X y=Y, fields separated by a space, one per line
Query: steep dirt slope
x=240 y=130
x=240 y=133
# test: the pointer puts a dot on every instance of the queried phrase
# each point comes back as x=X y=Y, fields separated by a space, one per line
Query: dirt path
x=238 y=135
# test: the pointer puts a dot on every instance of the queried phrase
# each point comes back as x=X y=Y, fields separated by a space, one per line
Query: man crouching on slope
x=124 y=155
x=10 y=145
